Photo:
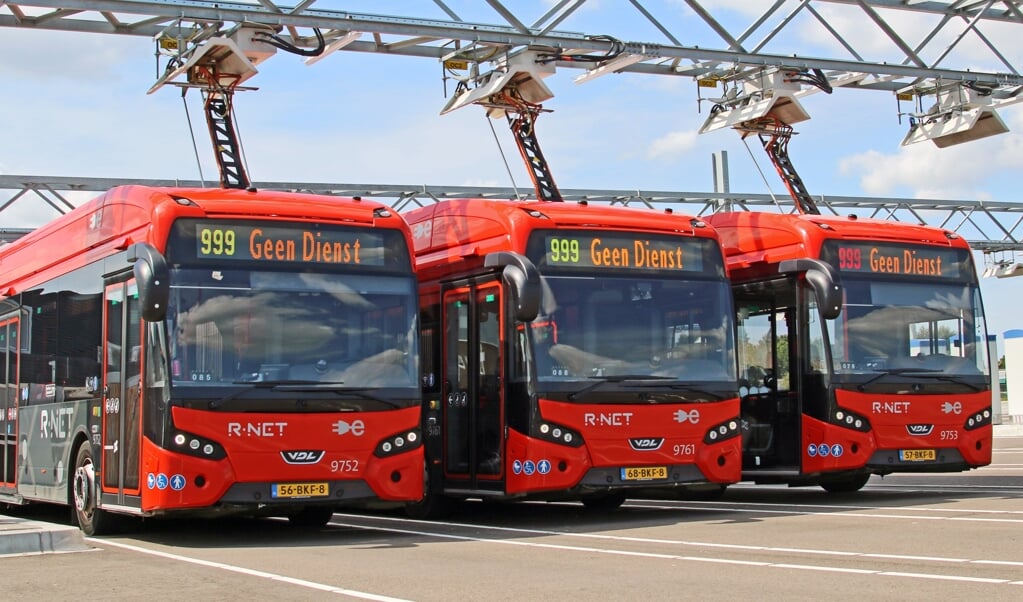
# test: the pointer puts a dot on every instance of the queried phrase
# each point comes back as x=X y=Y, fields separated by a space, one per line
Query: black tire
x=604 y=502
x=311 y=517
x=91 y=520
x=847 y=484
x=433 y=506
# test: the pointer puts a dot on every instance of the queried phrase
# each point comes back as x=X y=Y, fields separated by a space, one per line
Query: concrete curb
x=20 y=536
x=1008 y=430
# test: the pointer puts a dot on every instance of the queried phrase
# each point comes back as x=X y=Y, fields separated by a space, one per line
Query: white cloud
x=672 y=144
x=927 y=171
x=31 y=55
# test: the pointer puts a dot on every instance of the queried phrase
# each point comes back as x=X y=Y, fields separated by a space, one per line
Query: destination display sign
x=896 y=260
x=621 y=251
x=288 y=243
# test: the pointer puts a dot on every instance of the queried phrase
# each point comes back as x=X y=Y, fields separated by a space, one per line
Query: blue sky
x=76 y=105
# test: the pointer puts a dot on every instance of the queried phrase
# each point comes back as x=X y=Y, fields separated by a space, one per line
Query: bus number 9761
x=685 y=449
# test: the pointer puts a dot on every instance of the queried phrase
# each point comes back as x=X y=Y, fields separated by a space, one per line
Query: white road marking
x=787 y=508
x=662 y=556
x=251 y=572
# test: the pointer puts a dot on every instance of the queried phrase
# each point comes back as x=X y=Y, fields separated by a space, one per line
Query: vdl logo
x=646 y=444
x=302 y=456
x=919 y=429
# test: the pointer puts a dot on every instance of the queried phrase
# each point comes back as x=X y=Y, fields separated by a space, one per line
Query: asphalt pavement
x=19 y=535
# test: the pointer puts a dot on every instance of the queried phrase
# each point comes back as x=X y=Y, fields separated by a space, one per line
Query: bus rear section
x=579 y=364
x=263 y=366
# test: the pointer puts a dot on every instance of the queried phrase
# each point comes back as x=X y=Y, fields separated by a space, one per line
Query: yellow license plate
x=917 y=455
x=644 y=473
x=299 y=490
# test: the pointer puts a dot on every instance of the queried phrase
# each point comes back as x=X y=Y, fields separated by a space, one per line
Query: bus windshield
x=909 y=331
x=239 y=326
x=661 y=330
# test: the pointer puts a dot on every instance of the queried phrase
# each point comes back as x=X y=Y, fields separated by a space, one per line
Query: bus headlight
x=850 y=420
x=978 y=419
x=194 y=445
x=721 y=432
x=556 y=433
x=398 y=443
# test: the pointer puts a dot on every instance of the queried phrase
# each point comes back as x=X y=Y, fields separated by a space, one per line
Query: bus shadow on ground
x=474 y=519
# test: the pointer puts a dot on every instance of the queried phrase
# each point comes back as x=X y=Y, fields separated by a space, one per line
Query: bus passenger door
x=122 y=361
x=9 y=404
x=770 y=391
x=473 y=396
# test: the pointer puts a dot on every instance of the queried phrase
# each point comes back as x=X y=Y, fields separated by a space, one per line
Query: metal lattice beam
x=902 y=66
x=989 y=226
x=700 y=43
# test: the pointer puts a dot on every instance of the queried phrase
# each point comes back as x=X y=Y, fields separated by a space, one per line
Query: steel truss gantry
x=768 y=41
x=979 y=222
x=925 y=45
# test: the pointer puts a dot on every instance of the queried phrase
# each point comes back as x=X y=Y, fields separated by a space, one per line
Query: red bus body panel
x=254 y=443
x=452 y=238
x=110 y=224
x=754 y=243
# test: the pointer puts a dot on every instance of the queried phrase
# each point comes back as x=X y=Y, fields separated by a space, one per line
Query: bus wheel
x=311 y=517
x=433 y=506
x=604 y=502
x=91 y=520
x=846 y=485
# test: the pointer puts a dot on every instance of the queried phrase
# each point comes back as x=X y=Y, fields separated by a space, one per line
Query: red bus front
x=291 y=370
x=904 y=433
x=898 y=381
x=910 y=358
x=616 y=447
x=622 y=380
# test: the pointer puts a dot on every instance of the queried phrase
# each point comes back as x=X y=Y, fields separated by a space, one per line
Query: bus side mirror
x=152 y=278
x=522 y=278
x=823 y=279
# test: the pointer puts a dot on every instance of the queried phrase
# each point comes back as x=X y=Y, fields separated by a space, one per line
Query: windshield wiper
x=682 y=385
x=618 y=378
x=255 y=384
x=340 y=389
x=958 y=380
x=301 y=386
x=892 y=371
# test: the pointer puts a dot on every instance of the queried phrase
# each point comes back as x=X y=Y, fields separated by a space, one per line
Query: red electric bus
x=573 y=351
x=213 y=351
x=862 y=348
